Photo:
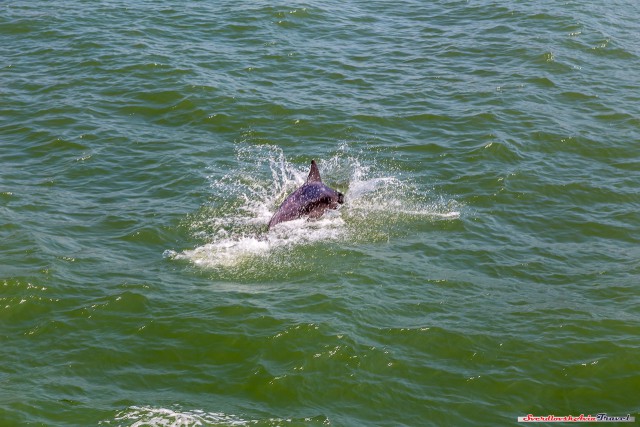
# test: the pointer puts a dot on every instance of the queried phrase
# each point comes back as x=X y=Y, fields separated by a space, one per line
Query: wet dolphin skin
x=311 y=199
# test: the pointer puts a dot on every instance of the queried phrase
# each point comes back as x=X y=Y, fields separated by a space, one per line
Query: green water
x=484 y=267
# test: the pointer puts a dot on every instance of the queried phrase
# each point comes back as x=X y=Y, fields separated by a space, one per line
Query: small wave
x=147 y=416
x=234 y=225
x=138 y=416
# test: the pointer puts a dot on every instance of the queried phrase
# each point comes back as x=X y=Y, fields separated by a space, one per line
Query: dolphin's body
x=311 y=200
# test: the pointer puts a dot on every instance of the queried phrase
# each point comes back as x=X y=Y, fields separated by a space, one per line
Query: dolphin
x=311 y=199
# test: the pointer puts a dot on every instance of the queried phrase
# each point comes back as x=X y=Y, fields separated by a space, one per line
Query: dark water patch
x=55 y=146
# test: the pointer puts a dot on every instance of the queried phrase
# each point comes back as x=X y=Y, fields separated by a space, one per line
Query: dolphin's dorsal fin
x=314 y=173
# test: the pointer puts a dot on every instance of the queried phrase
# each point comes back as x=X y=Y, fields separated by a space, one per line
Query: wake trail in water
x=234 y=226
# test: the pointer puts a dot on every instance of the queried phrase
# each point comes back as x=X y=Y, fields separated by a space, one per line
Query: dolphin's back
x=312 y=199
x=288 y=210
x=299 y=203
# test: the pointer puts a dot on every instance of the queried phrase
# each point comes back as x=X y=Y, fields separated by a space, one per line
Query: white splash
x=235 y=226
x=140 y=416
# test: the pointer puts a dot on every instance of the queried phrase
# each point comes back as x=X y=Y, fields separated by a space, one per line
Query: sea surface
x=485 y=265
